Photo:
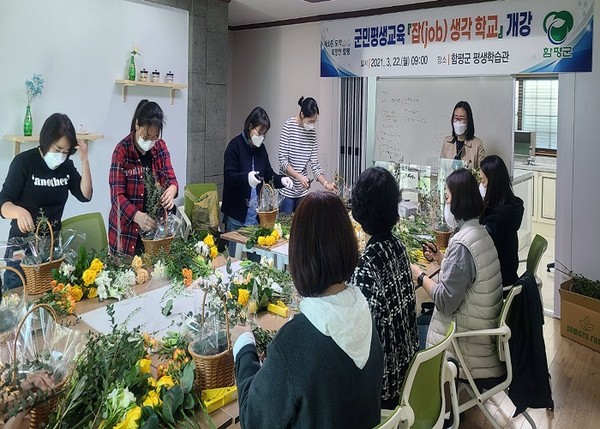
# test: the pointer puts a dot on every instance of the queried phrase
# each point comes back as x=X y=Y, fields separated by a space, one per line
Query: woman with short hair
x=384 y=277
x=469 y=290
x=324 y=367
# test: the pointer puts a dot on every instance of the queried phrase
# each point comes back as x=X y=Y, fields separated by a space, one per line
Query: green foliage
x=584 y=286
x=153 y=191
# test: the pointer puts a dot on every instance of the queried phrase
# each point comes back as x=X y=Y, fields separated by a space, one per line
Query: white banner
x=498 y=38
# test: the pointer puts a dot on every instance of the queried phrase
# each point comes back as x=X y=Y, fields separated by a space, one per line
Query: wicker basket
x=216 y=370
x=39 y=276
x=442 y=238
x=39 y=413
x=152 y=247
x=267 y=218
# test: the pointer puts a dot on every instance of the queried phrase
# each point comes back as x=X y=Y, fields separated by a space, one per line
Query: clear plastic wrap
x=170 y=226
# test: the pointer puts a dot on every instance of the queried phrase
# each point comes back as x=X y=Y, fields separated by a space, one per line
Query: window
x=536 y=107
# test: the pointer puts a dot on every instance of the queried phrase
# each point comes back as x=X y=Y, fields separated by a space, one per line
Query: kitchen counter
x=542 y=163
x=521 y=175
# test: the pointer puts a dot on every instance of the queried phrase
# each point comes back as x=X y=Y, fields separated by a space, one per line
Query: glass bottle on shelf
x=131 y=73
x=28 y=122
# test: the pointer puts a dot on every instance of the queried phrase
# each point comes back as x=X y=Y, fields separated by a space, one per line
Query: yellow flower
x=131 y=419
x=270 y=240
x=96 y=265
x=152 y=399
x=142 y=276
x=261 y=241
x=89 y=277
x=252 y=307
x=92 y=292
x=165 y=381
x=209 y=240
x=243 y=296
x=214 y=252
x=144 y=365
x=77 y=293
x=137 y=263
x=152 y=381
x=275 y=235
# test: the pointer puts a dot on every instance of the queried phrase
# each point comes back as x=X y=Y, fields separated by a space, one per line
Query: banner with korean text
x=492 y=38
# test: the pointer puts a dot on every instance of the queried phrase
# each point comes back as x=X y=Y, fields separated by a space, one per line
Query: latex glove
x=252 y=180
x=287 y=182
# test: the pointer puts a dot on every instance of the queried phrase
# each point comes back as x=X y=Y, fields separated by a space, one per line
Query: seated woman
x=502 y=215
x=384 y=277
x=470 y=285
x=324 y=367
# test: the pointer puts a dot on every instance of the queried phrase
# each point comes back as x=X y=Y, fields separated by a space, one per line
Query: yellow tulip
x=152 y=399
x=243 y=296
x=165 y=381
x=89 y=277
x=144 y=365
x=131 y=419
x=209 y=240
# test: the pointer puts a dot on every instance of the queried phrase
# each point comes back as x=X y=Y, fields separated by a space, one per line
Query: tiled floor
x=546 y=277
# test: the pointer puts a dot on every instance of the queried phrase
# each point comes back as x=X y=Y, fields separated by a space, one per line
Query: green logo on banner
x=557 y=26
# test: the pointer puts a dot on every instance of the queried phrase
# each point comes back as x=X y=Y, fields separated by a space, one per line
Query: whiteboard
x=413 y=116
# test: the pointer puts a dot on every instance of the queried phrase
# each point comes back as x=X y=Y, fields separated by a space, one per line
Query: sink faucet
x=531 y=156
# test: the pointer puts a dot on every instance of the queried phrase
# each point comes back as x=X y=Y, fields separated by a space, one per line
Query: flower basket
x=39 y=413
x=442 y=238
x=213 y=371
x=39 y=276
x=9 y=334
x=153 y=246
x=267 y=217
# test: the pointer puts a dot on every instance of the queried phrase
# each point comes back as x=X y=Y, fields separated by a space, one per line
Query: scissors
x=428 y=247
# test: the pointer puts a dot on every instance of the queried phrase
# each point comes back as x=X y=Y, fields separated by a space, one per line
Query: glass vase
x=132 y=68
x=28 y=122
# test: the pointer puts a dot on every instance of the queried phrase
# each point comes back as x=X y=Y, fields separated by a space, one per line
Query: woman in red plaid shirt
x=142 y=149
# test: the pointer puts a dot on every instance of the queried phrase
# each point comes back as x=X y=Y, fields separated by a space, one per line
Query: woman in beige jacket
x=462 y=144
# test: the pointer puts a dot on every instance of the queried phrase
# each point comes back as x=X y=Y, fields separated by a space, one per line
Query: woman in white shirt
x=298 y=149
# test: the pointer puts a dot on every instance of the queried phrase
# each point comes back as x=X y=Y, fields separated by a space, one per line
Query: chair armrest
x=504 y=330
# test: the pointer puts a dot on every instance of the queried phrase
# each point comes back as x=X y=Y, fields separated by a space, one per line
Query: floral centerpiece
x=265 y=237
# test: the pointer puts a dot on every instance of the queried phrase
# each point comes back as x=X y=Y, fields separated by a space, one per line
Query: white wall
x=273 y=68
x=81 y=48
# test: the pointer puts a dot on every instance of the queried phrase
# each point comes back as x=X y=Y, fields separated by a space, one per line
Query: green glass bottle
x=132 y=68
x=28 y=122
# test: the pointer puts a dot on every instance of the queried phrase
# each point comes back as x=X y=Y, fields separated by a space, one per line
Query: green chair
x=502 y=333
x=196 y=189
x=92 y=224
x=534 y=256
x=422 y=401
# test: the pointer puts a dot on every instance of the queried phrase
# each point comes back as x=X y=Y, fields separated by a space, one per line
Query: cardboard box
x=579 y=317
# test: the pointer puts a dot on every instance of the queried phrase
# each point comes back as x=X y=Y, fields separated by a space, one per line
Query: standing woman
x=462 y=144
x=246 y=168
x=40 y=179
x=502 y=215
x=297 y=149
x=143 y=148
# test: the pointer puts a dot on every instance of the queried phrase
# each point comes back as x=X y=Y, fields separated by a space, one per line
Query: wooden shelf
x=171 y=86
x=17 y=140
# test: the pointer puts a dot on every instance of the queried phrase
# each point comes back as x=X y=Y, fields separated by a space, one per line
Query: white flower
x=119 y=399
x=268 y=262
x=159 y=269
x=277 y=227
x=103 y=283
x=202 y=249
x=276 y=288
x=10 y=302
x=66 y=269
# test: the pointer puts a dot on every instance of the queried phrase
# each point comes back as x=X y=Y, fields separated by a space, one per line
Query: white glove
x=287 y=182
x=252 y=180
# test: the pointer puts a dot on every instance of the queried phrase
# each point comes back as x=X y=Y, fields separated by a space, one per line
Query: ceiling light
x=316 y=1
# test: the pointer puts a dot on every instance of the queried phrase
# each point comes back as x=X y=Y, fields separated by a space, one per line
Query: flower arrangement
x=61 y=298
x=96 y=274
x=135 y=50
x=112 y=386
x=34 y=87
x=266 y=237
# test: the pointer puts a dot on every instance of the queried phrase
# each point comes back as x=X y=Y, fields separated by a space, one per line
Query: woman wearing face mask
x=502 y=215
x=142 y=149
x=40 y=180
x=462 y=144
x=246 y=168
x=469 y=290
x=298 y=149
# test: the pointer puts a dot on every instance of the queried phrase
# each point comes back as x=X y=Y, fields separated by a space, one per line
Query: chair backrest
x=196 y=189
x=423 y=389
x=92 y=224
x=536 y=251
x=506 y=308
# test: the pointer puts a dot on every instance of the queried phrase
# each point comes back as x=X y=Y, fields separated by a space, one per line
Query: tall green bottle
x=28 y=122
x=132 y=68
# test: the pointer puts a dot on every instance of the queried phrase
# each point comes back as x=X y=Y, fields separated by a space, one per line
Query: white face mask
x=145 y=145
x=54 y=159
x=449 y=217
x=459 y=128
x=482 y=190
x=308 y=126
x=257 y=140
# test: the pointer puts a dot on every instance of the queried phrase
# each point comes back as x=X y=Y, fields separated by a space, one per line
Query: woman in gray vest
x=469 y=290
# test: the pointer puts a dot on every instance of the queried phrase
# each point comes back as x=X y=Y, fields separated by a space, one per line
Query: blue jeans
x=233 y=225
x=289 y=205
x=12 y=280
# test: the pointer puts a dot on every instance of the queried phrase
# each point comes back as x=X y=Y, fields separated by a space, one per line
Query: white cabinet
x=544 y=197
x=523 y=188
